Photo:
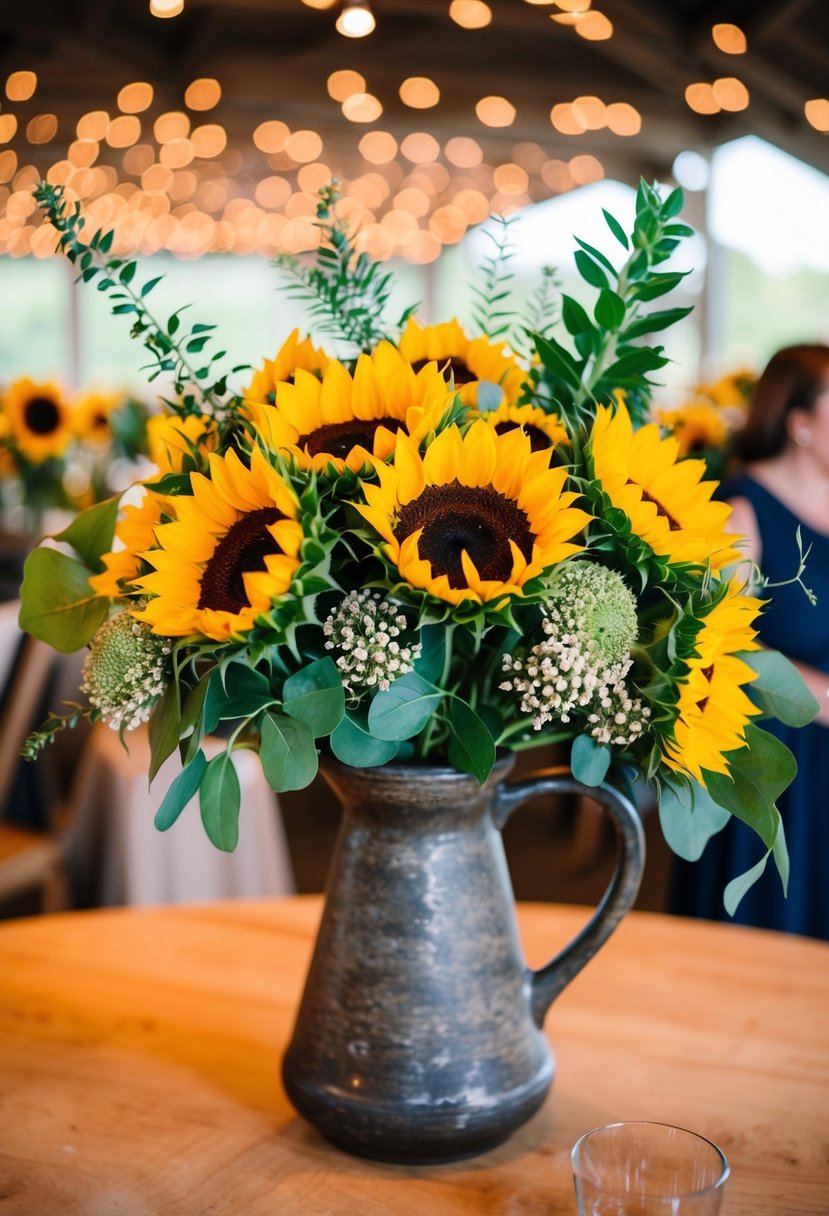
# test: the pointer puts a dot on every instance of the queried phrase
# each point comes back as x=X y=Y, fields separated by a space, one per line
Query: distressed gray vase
x=419 y=1035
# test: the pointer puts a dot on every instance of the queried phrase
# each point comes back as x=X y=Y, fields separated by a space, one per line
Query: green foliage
x=289 y=757
x=346 y=292
x=183 y=787
x=403 y=710
x=606 y=353
x=689 y=817
x=490 y=313
x=779 y=689
x=589 y=760
x=353 y=743
x=169 y=344
x=471 y=745
x=220 y=798
x=58 y=605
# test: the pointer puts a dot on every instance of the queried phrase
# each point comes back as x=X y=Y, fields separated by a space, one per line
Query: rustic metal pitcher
x=418 y=1038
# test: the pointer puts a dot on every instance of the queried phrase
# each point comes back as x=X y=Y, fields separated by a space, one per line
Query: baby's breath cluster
x=616 y=717
x=580 y=665
x=365 y=629
x=126 y=671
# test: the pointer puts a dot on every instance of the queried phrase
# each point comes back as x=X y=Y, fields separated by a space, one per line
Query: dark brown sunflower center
x=242 y=549
x=454 y=366
x=673 y=525
x=338 y=438
x=539 y=440
x=475 y=519
x=42 y=415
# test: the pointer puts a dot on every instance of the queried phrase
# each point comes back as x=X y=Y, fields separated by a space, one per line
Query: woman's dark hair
x=793 y=380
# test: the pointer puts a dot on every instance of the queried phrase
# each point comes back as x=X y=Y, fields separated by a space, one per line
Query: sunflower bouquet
x=404 y=542
x=60 y=452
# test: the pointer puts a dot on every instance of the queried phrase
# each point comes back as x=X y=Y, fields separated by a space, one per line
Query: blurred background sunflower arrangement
x=712 y=413
x=61 y=452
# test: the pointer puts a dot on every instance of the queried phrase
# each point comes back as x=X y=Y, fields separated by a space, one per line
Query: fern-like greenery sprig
x=490 y=315
x=171 y=345
x=345 y=292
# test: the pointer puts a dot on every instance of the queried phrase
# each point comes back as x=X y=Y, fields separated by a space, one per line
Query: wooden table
x=140 y=1052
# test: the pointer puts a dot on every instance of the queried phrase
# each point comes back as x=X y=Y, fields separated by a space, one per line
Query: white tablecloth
x=117 y=856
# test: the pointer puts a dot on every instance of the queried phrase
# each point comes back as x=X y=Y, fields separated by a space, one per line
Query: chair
x=31 y=861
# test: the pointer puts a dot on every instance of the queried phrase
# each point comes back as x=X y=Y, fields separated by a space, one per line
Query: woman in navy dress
x=783 y=485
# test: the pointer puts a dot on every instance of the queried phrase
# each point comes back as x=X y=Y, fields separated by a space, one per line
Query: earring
x=803 y=437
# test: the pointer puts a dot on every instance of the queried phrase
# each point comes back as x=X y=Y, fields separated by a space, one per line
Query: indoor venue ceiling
x=264 y=141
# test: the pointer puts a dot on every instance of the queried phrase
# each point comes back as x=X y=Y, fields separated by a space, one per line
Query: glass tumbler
x=648 y=1169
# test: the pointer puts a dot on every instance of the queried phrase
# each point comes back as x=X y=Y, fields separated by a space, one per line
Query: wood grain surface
x=140 y=1055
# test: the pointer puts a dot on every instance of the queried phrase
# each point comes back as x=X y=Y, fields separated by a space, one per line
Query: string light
x=729 y=39
x=470 y=14
x=356 y=19
x=166 y=8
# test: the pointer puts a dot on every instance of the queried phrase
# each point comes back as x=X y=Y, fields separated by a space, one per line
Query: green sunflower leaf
x=759 y=774
x=288 y=753
x=183 y=788
x=315 y=696
x=779 y=690
x=404 y=709
x=353 y=743
x=471 y=746
x=57 y=603
x=220 y=798
x=589 y=760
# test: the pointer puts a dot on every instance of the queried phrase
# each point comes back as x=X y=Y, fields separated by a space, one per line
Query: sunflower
x=38 y=419
x=476 y=517
x=712 y=710
x=545 y=430
x=89 y=417
x=468 y=361
x=171 y=439
x=665 y=501
x=134 y=532
x=292 y=355
x=696 y=426
x=733 y=389
x=230 y=553
x=346 y=422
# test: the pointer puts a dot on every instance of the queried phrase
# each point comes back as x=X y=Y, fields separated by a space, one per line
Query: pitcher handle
x=550 y=980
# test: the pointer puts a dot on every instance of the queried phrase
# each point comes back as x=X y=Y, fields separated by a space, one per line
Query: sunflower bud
x=126 y=671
